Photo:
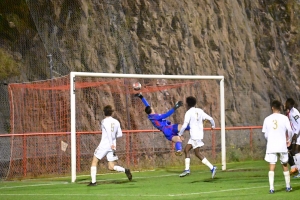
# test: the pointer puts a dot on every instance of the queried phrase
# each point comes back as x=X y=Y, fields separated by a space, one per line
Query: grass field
x=242 y=180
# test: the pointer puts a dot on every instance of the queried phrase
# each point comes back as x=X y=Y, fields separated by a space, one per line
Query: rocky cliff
x=254 y=44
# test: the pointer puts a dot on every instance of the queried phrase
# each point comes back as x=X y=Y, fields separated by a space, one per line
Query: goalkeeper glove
x=139 y=95
x=178 y=104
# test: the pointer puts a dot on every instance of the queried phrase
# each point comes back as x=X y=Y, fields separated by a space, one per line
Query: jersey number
x=112 y=127
x=275 y=124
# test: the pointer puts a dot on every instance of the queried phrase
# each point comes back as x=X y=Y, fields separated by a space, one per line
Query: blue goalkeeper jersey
x=159 y=120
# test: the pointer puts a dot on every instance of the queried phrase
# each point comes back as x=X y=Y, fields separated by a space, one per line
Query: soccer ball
x=137 y=86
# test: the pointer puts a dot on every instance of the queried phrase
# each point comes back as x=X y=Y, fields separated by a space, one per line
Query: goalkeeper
x=159 y=121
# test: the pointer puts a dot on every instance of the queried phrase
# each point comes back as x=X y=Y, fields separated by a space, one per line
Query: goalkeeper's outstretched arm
x=145 y=102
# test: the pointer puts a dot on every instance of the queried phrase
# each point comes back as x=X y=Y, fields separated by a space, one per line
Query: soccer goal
x=89 y=92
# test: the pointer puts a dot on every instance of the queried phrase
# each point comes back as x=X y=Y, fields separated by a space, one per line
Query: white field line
x=142 y=195
x=64 y=177
x=35 y=185
x=129 y=195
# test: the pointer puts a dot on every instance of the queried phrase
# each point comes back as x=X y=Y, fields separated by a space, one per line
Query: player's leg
x=197 y=144
x=271 y=158
x=297 y=155
x=112 y=165
x=187 y=160
x=291 y=154
x=284 y=160
x=93 y=171
x=297 y=162
x=172 y=131
x=178 y=145
x=98 y=155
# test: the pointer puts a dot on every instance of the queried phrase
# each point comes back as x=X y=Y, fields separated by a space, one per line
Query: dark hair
x=148 y=110
x=289 y=104
x=108 y=110
x=191 y=101
x=276 y=105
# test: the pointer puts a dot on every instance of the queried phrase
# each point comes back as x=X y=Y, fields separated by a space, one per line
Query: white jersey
x=275 y=127
x=294 y=120
x=195 y=117
x=111 y=130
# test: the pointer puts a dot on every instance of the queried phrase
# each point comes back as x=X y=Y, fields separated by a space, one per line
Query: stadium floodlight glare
x=73 y=75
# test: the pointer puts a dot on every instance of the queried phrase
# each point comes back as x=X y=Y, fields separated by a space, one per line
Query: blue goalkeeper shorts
x=170 y=131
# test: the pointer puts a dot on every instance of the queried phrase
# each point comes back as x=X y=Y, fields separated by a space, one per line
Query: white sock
x=271 y=179
x=187 y=163
x=93 y=173
x=207 y=163
x=119 y=169
x=287 y=178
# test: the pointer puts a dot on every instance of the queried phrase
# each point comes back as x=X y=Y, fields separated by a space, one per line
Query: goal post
x=73 y=79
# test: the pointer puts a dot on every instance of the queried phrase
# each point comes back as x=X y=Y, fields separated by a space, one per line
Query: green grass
x=242 y=180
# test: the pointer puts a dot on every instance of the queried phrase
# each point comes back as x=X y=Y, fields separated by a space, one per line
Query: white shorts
x=100 y=152
x=196 y=143
x=272 y=157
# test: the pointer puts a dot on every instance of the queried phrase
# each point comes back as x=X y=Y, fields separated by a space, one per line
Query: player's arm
x=210 y=119
x=165 y=115
x=145 y=102
x=119 y=131
x=108 y=128
x=187 y=118
x=289 y=131
x=264 y=130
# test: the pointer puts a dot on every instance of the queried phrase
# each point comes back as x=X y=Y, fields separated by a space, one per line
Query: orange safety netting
x=44 y=107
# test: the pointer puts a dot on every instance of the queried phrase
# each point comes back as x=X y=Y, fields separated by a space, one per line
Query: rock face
x=254 y=44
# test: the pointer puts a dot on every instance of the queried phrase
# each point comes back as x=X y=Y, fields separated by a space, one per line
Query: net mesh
x=41 y=110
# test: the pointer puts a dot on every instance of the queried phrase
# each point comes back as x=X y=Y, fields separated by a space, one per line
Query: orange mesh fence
x=39 y=143
x=48 y=154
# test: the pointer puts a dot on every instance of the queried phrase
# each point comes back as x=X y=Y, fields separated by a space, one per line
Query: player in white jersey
x=294 y=117
x=111 y=130
x=278 y=134
x=194 y=117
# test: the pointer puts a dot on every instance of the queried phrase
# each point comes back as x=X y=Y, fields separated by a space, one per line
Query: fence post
x=251 y=135
x=24 y=156
x=213 y=145
x=78 y=151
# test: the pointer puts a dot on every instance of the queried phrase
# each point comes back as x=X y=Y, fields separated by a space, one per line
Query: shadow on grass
x=206 y=180
x=106 y=182
x=244 y=170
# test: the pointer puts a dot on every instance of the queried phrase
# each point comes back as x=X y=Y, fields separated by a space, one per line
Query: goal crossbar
x=73 y=76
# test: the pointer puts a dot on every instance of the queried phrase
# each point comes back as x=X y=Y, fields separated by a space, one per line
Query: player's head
x=289 y=104
x=276 y=105
x=148 y=110
x=191 y=101
x=108 y=110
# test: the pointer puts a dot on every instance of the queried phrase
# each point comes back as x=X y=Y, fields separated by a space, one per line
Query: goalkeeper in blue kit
x=159 y=121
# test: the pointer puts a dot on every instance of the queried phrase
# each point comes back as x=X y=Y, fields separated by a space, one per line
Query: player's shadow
x=114 y=182
x=283 y=189
x=173 y=171
x=107 y=182
x=206 y=180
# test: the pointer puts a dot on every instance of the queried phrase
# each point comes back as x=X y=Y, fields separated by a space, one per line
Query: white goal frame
x=73 y=75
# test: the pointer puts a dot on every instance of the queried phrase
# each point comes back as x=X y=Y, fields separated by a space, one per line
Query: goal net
x=56 y=123
x=162 y=91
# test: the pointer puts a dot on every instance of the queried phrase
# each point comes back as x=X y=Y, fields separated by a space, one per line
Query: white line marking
x=142 y=195
x=36 y=185
x=129 y=195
